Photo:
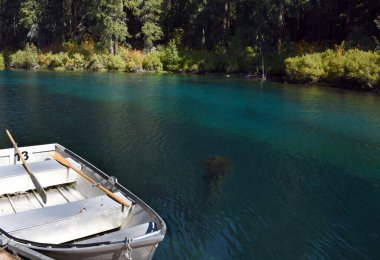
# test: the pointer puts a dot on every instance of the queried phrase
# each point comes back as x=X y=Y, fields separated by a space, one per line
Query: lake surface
x=305 y=180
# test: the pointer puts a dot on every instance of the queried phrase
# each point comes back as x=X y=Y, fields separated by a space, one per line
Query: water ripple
x=304 y=181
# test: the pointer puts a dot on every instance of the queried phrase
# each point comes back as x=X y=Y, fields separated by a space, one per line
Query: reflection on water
x=304 y=181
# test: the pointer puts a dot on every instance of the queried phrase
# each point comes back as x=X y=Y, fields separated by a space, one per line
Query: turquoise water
x=305 y=180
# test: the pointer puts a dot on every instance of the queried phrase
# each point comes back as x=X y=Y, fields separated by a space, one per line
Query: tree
x=10 y=33
x=111 y=27
x=268 y=25
x=30 y=13
x=150 y=16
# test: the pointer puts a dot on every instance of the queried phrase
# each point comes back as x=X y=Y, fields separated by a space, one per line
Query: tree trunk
x=203 y=38
x=115 y=46
x=226 y=18
x=111 y=46
x=281 y=27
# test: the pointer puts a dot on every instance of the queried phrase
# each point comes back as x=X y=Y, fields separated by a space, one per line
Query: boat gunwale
x=155 y=236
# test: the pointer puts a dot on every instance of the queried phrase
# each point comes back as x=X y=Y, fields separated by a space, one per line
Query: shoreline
x=241 y=75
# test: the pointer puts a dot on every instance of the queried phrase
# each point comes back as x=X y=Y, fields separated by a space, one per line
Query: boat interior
x=76 y=212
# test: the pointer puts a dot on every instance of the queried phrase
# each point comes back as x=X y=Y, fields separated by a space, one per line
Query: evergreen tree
x=110 y=23
x=202 y=24
x=150 y=17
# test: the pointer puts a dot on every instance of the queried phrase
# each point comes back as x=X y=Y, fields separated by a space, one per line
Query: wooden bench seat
x=14 y=178
x=67 y=222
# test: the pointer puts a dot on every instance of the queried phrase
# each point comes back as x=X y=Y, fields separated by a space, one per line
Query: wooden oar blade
x=39 y=188
x=59 y=158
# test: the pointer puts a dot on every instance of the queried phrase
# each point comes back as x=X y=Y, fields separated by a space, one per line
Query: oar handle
x=17 y=150
x=117 y=198
x=59 y=158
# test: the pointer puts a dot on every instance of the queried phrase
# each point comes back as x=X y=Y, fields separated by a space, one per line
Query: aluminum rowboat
x=79 y=221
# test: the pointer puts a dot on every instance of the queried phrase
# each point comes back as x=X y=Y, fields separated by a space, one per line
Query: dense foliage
x=353 y=66
x=209 y=24
x=249 y=36
x=125 y=60
x=27 y=58
x=2 y=63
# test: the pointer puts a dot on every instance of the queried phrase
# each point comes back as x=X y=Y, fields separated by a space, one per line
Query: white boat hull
x=80 y=222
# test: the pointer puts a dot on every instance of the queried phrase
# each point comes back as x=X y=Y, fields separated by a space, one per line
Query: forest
x=289 y=40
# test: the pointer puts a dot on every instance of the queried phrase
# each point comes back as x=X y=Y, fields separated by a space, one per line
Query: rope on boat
x=128 y=254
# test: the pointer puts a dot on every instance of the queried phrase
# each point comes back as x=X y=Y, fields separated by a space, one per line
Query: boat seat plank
x=15 y=179
x=70 y=193
x=27 y=201
x=131 y=232
x=5 y=206
x=66 y=222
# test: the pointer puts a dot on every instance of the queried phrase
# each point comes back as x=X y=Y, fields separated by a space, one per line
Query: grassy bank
x=302 y=63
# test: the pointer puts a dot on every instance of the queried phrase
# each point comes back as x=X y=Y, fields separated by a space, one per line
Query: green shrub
x=250 y=60
x=334 y=65
x=305 y=68
x=189 y=65
x=356 y=66
x=54 y=61
x=7 y=57
x=76 y=62
x=2 y=64
x=191 y=61
x=364 y=67
x=70 y=46
x=96 y=62
x=213 y=62
x=60 y=60
x=134 y=60
x=113 y=62
x=193 y=68
x=152 y=61
x=170 y=57
x=26 y=58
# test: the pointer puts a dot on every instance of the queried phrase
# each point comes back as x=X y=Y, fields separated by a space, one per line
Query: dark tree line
x=196 y=24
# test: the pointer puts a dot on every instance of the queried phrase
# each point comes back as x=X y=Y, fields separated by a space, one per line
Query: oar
x=59 y=158
x=38 y=186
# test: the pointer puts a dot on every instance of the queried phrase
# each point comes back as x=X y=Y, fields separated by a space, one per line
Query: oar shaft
x=59 y=158
x=18 y=152
x=38 y=186
x=109 y=193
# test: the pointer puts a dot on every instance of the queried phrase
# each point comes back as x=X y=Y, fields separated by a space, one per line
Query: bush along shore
x=299 y=63
x=352 y=69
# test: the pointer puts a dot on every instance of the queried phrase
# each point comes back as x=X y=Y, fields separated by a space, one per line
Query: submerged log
x=217 y=166
x=215 y=169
